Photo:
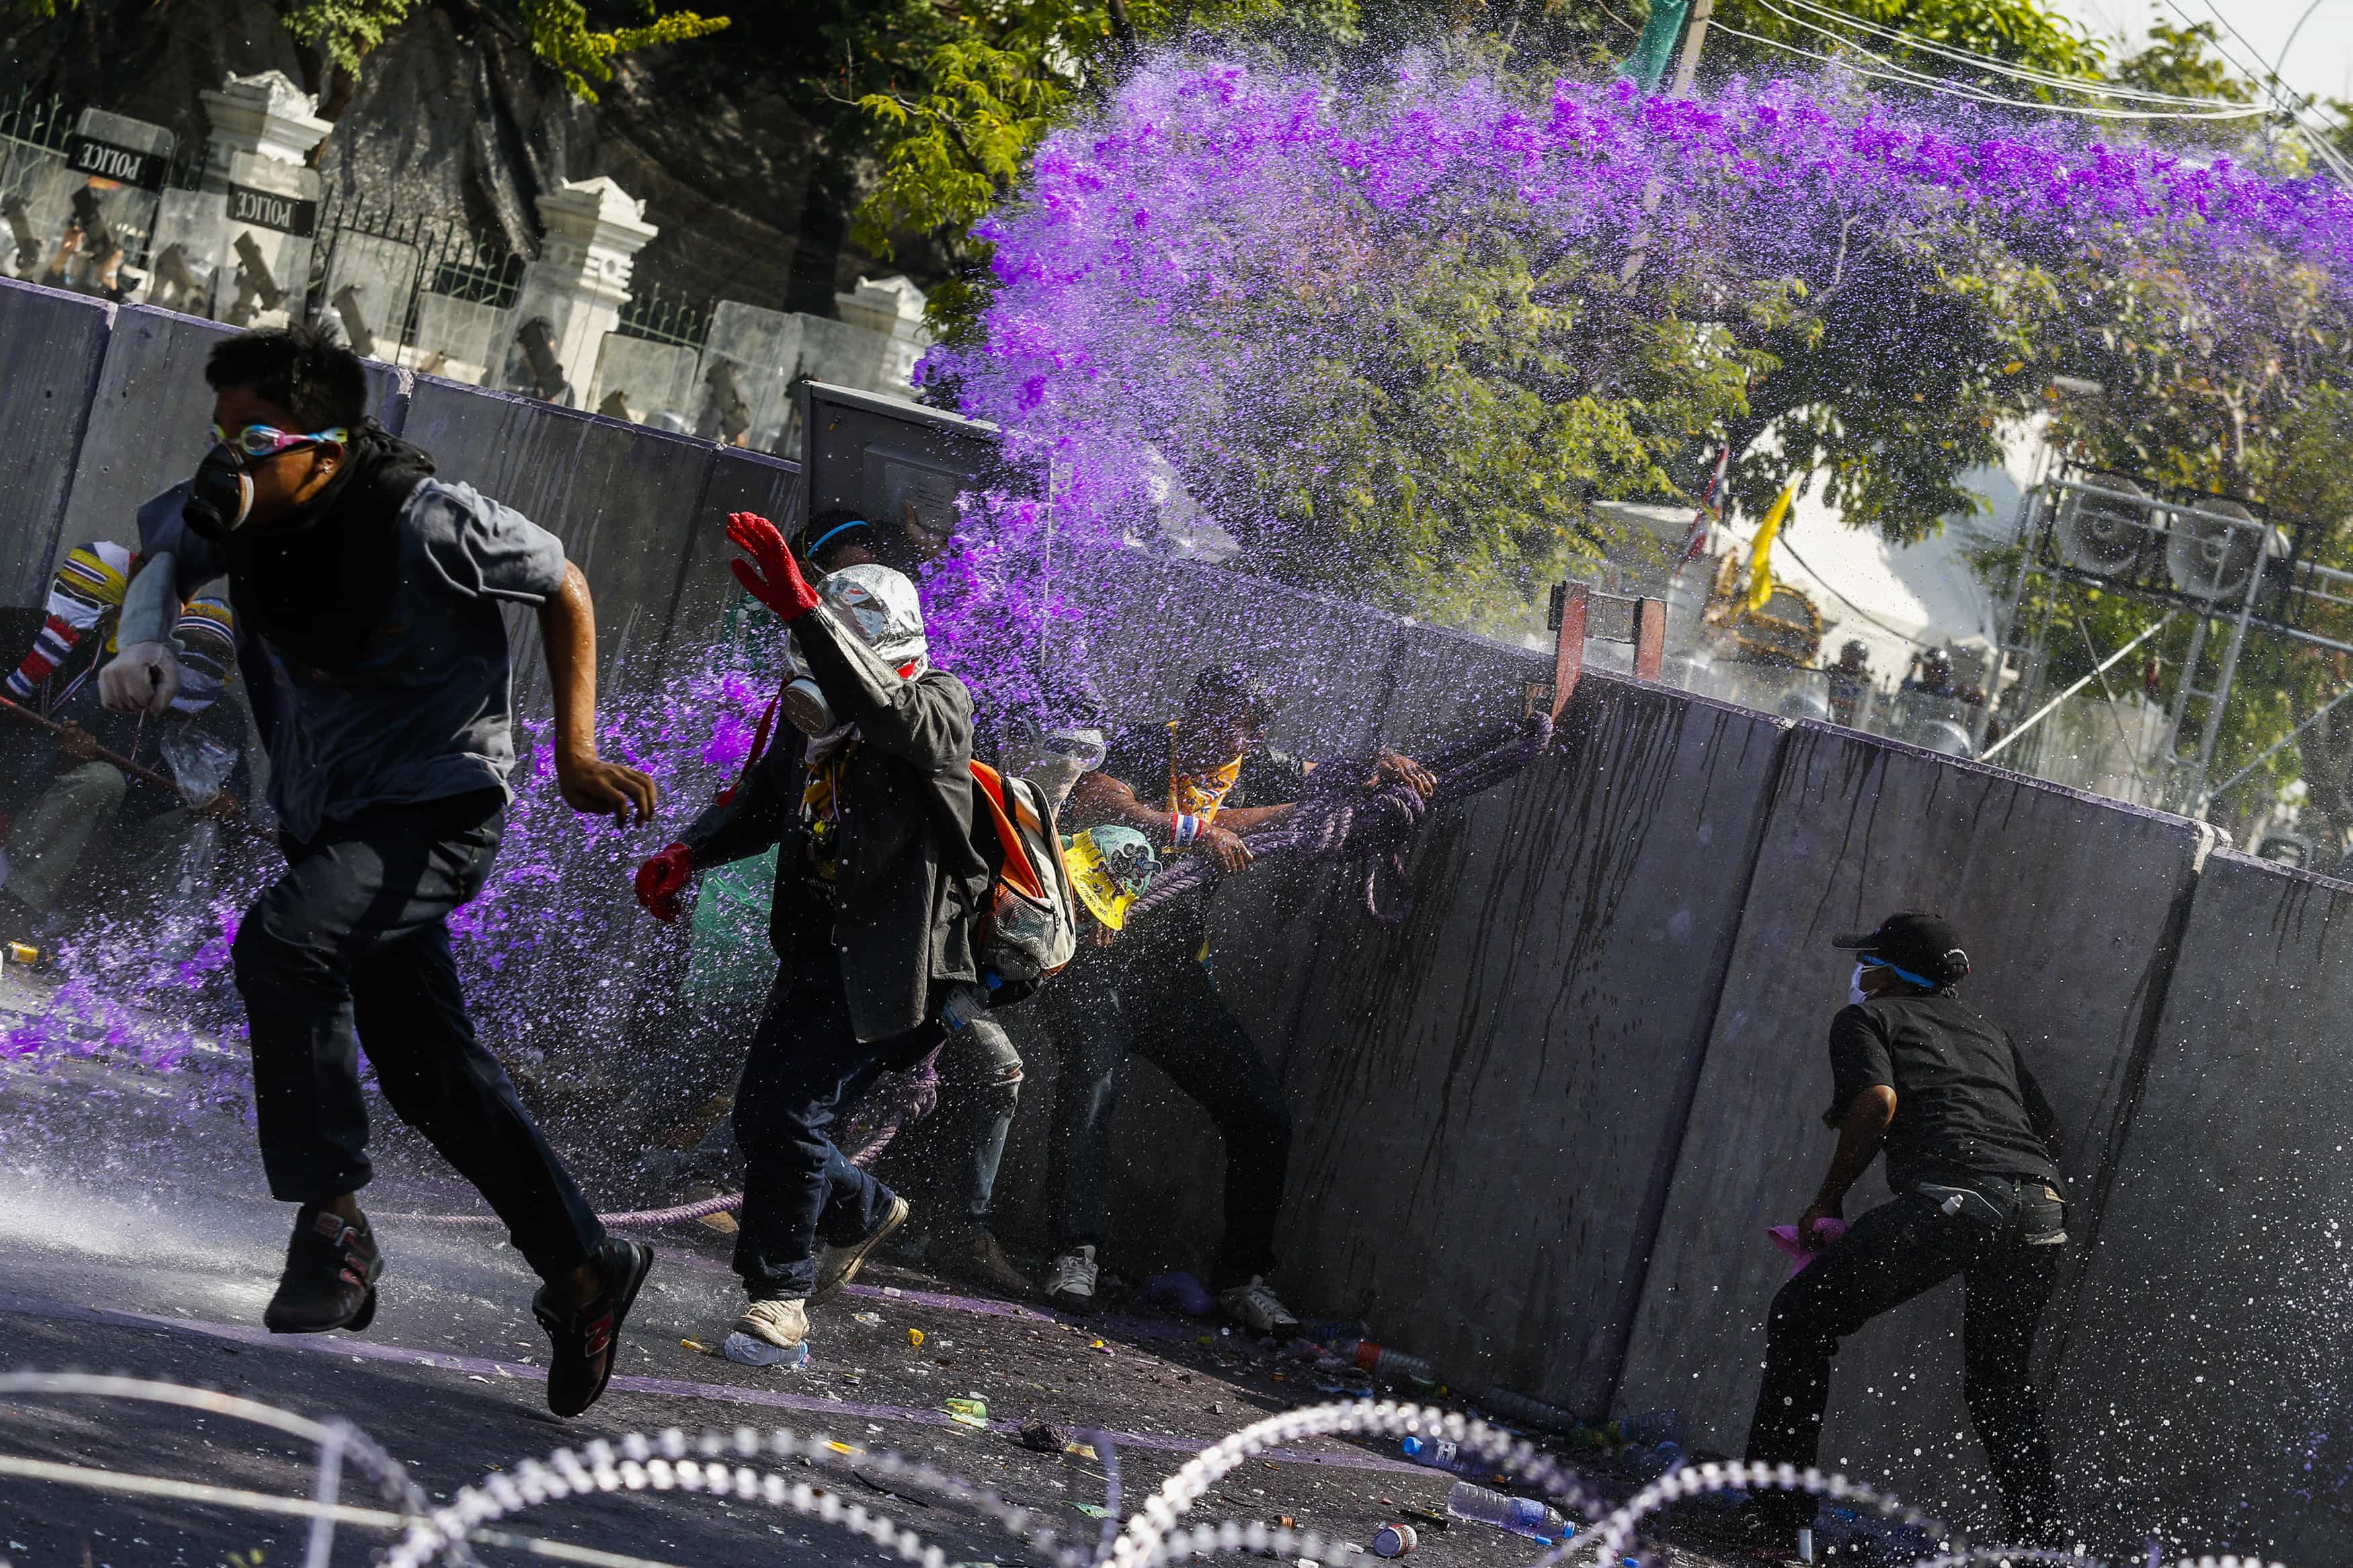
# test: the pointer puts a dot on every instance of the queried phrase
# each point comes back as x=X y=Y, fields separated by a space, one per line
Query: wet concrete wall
x=2202 y=1390
x=49 y=343
x=2071 y=907
x=1490 y=1096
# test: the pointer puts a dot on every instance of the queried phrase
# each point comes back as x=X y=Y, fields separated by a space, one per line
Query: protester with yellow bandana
x=1193 y=786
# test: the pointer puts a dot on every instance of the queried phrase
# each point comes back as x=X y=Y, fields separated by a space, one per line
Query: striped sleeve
x=207 y=642
x=89 y=585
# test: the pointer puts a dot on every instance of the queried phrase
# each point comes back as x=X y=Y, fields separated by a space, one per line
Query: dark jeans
x=980 y=1088
x=1889 y=1256
x=349 y=948
x=1158 y=1002
x=805 y=1065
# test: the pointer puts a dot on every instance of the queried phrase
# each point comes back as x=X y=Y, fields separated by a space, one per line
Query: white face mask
x=1855 y=995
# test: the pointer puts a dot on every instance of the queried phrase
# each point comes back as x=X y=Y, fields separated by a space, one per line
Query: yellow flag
x=1760 y=553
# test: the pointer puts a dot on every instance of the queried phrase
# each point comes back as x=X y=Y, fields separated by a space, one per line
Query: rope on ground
x=627 y=1220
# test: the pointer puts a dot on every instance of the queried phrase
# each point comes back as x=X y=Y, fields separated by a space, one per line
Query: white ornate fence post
x=574 y=294
x=263 y=130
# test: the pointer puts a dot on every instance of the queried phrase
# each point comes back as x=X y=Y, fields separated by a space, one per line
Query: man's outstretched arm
x=1861 y=1130
x=567 y=625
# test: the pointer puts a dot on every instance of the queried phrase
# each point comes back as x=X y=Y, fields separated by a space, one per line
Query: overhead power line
x=2294 y=103
x=1926 y=83
x=1990 y=63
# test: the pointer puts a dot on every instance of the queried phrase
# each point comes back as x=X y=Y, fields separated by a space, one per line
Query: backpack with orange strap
x=1028 y=926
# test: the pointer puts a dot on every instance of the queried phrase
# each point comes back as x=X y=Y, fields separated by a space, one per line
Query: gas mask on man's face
x=221 y=497
x=880 y=608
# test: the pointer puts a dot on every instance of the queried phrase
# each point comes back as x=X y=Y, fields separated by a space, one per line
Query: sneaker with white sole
x=777 y=1324
x=1071 y=1282
x=1256 y=1307
x=837 y=1265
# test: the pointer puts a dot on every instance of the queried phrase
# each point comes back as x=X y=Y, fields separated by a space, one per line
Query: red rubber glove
x=661 y=882
x=772 y=575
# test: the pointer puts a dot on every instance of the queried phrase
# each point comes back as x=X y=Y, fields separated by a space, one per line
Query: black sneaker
x=585 y=1336
x=330 y=1279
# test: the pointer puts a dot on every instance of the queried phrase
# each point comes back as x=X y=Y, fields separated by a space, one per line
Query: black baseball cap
x=1917 y=945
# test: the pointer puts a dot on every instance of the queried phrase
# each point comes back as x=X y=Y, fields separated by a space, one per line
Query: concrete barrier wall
x=2202 y=1391
x=1490 y=1095
x=150 y=412
x=2071 y=907
x=49 y=345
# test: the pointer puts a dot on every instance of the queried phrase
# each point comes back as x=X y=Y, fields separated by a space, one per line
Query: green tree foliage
x=348 y=31
x=957 y=134
x=563 y=39
x=1446 y=416
x=2180 y=60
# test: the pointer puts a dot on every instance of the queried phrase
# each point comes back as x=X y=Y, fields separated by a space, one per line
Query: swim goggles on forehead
x=1870 y=962
x=829 y=533
x=267 y=441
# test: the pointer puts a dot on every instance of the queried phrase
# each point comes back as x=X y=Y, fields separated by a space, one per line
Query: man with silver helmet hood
x=1048 y=741
x=867 y=792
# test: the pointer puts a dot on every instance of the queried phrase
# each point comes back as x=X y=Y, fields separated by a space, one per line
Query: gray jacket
x=911 y=879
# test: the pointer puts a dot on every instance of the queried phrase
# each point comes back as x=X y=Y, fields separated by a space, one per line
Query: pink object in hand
x=1785 y=1237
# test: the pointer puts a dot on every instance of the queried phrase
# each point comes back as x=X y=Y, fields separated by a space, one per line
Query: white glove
x=145 y=675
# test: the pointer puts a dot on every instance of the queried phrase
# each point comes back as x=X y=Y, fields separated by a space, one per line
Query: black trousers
x=350 y=949
x=1158 y=1001
x=1890 y=1255
x=804 y=1066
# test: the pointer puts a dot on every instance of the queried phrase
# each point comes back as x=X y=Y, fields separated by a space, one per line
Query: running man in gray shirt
x=371 y=606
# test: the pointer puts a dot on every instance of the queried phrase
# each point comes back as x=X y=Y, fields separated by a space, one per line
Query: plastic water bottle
x=1522 y=1411
x=967 y=1001
x=1382 y=1361
x=745 y=1350
x=1441 y=1454
x=1520 y=1515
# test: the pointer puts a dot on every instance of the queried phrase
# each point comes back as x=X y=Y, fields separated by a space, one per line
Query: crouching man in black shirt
x=1969 y=1140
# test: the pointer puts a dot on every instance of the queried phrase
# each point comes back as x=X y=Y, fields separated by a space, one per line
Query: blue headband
x=829 y=533
x=1900 y=973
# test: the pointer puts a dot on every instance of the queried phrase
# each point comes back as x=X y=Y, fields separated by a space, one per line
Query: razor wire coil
x=731 y=1463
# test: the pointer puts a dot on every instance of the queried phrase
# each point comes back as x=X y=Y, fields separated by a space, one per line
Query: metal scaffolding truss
x=2229 y=565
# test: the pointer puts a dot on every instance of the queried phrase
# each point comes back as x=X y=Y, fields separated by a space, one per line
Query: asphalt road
x=135 y=1236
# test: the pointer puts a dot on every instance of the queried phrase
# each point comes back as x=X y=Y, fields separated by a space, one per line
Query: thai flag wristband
x=1183 y=828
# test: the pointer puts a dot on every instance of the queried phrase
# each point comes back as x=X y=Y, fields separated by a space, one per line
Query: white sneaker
x=837 y=1265
x=780 y=1325
x=1256 y=1307
x=1071 y=1282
